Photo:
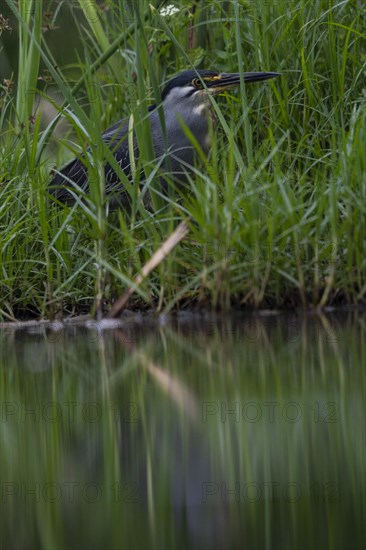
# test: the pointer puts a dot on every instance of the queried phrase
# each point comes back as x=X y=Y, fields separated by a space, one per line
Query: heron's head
x=192 y=86
x=186 y=97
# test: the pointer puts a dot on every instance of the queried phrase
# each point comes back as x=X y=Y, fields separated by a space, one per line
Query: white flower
x=170 y=9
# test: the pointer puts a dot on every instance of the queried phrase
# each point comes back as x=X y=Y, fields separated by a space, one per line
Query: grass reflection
x=195 y=431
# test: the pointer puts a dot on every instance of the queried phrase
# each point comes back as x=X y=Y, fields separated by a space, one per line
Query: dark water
x=190 y=432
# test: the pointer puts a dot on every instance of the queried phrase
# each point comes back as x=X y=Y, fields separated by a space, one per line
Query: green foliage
x=277 y=210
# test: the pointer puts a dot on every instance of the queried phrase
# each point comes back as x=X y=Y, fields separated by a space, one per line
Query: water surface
x=193 y=431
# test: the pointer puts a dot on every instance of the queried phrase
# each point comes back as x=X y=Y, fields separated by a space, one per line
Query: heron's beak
x=224 y=81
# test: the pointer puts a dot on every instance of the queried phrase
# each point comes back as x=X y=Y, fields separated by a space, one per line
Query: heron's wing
x=74 y=176
x=116 y=137
x=118 y=129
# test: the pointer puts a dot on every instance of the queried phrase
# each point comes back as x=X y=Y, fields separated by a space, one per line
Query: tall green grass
x=278 y=215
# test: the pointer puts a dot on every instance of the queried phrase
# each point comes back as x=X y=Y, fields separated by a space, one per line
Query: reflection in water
x=191 y=431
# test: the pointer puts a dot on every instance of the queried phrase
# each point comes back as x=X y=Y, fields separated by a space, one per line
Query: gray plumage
x=183 y=98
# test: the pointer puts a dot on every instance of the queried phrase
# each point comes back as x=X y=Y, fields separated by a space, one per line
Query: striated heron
x=184 y=98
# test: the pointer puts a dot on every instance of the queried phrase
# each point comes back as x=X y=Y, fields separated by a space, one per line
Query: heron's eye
x=197 y=83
